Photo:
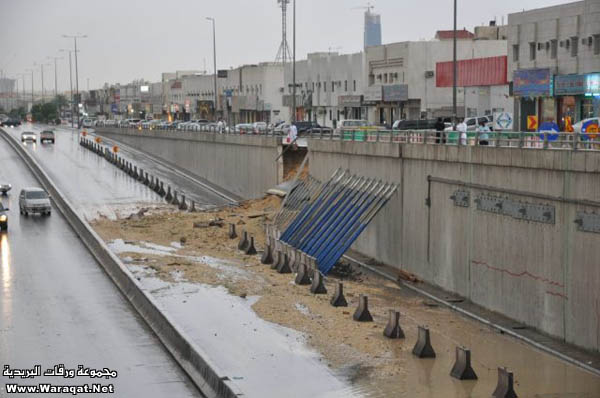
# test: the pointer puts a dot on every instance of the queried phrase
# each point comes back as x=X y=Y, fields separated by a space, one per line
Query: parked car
x=282 y=129
x=34 y=200
x=473 y=122
x=28 y=136
x=578 y=127
x=259 y=127
x=3 y=217
x=243 y=128
x=89 y=122
x=47 y=135
x=4 y=188
x=11 y=123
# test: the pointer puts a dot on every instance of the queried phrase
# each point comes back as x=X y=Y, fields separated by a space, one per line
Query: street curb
x=207 y=377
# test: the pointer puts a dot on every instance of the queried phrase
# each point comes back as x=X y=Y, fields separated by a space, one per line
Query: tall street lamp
x=454 y=115
x=32 y=99
x=214 y=63
x=75 y=37
x=70 y=81
x=42 y=74
x=294 y=68
x=55 y=76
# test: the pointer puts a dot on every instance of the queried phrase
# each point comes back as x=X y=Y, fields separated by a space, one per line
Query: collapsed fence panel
x=324 y=220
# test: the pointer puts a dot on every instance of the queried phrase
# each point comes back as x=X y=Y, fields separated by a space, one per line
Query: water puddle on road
x=262 y=358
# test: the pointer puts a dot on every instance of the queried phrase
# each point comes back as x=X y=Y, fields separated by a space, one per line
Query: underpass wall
x=545 y=275
x=243 y=165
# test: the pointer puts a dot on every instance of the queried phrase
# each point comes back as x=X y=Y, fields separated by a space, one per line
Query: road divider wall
x=194 y=361
x=515 y=230
x=245 y=165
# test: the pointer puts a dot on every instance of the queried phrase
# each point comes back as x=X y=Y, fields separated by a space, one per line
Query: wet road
x=94 y=186
x=57 y=306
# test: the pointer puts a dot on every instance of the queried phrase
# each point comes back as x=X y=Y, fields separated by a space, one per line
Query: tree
x=60 y=101
x=44 y=112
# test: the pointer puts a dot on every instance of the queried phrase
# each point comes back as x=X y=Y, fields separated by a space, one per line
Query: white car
x=4 y=188
x=28 y=136
x=34 y=200
x=579 y=125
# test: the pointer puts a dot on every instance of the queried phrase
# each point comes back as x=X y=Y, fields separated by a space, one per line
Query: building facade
x=401 y=80
x=554 y=63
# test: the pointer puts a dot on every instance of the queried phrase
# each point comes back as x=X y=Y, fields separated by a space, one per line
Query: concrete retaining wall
x=544 y=275
x=205 y=375
x=243 y=165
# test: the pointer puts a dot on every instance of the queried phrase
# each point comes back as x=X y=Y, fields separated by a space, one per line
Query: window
x=332 y=87
x=596 y=44
x=354 y=86
x=574 y=46
x=330 y=114
x=345 y=85
x=515 y=49
x=324 y=87
x=371 y=80
x=553 y=48
x=532 y=51
x=313 y=86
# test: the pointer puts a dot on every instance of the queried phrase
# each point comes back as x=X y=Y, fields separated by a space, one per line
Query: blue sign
x=532 y=83
x=551 y=129
x=114 y=108
x=569 y=84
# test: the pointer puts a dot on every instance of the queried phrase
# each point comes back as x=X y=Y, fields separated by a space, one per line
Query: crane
x=368 y=7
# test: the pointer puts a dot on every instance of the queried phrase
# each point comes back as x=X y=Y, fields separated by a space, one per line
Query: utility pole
x=75 y=37
x=214 y=63
x=32 y=99
x=55 y=76
x=294 y=69
x=70 y=83
x=454 y=116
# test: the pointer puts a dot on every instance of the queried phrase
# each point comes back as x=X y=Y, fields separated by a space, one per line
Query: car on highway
x=34 y=200
x=3 y=217
x=28 y=136
x=11 y=123
x=4 y=188
x=47 y=135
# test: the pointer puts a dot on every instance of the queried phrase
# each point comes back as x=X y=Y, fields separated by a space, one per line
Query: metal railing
x=505 y=139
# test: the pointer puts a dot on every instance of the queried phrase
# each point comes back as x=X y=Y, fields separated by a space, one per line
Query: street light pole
x=454 y=115
x=75 y=37
x=214 y=63
x=294 y=69
x=32 y=100
x=55 y=76
x=70 y=83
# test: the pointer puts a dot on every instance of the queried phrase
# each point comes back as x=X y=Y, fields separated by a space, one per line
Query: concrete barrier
x=243 y=165
x=206 y=375
x=536 y=272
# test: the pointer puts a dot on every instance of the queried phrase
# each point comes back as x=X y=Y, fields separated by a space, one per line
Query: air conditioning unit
x=561 y=44
x=281 y=89
x=429 y=74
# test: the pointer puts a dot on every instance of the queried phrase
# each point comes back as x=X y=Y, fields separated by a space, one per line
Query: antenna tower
x=284 y=53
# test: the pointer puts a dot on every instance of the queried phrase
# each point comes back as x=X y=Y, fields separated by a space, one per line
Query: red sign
x=489 y=71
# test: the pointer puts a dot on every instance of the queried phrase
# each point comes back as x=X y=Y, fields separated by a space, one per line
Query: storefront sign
x=532 y=83
x=395 y=93
x=373 y=94
x=569 y=85
x=592 y=84
x=350 y=101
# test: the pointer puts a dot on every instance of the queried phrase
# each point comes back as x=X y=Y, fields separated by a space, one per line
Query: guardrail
x=506 y=139
x=207 y=377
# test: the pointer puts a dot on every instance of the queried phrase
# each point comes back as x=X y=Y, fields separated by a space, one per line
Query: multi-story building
x=554 y=62
x=372 y=29
x=329 y=88
x=401 y=81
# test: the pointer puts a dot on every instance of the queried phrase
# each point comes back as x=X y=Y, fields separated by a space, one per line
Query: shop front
x=533 y=89
x=350 y=106
x=577 y=96
x=373 y=96
x=394 y=98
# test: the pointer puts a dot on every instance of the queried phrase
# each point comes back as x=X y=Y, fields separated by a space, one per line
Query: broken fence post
x=317 y=286
x=302 y=277
x=393 y=329
x=505 y=387
x=243 y=243
x=362 y=313
x=338 y=299
x=462 y=369
x=423 y=348
x=250 y=250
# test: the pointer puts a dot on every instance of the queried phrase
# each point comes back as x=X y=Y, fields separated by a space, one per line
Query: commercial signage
x=569 y=84
x=187 y=106
x=114 y=108
x=503 y=121
x=144 y=89
x=222 y=73
x=490 y=71
x=532 y=83
x=592 y=84
x=350 y=101
x=395 y=93
x=373 y=94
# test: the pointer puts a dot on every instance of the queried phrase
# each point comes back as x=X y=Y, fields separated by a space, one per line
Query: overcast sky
x=133 y=39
